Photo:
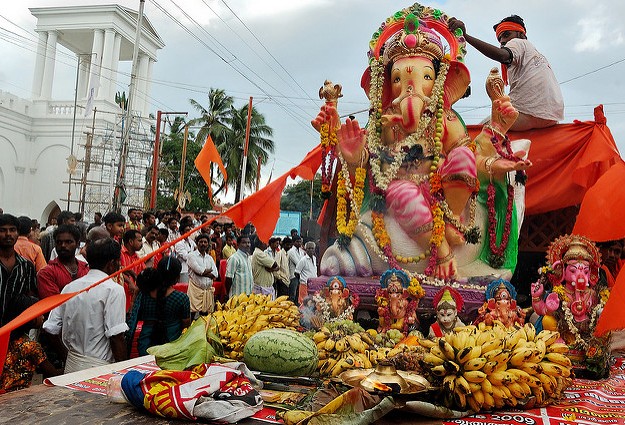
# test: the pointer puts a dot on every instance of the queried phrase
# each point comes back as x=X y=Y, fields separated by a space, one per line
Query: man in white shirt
x=91 y=325
x=150 y=244
x=534 y=89
x=202 y=272
x=306 y=269
x=296 y=253
x=182 y=250
x=281 y=276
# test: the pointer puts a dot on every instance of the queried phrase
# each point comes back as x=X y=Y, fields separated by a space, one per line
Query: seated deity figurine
x=396 y=305
x=500 y=305
x=336 y=301
x=573 y=270
x=447 y=302
x=420 y=209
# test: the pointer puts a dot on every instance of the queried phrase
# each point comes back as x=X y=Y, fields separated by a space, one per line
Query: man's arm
x=498 y=54
x=118 y=347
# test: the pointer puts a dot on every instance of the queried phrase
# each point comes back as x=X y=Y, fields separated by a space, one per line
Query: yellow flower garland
x=344 y=227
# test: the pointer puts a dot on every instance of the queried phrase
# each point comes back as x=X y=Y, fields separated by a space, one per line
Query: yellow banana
x=451 y=367
x=490 y=367
x=460 y=399
x=522 y=376
x=502 y=357
x=491 y=345
x=478 y=395
x=489 y=402
x=426 y=343
x=474 y=364
x=558 y=358
x=531 y=368
x=462 y=385
x=439 y=370
x=473 y=404
x=555 y=369
x=516 y=390
x=483 y=337
x=491 y=355
x=432 y=360
x=548 y=337
x=447 y=349
x=530 y=331
x=520 y=356
x=449 y=383
x=497 y=390
x=319 y=336
x=476 y=376
x=558 y=347
x=438 y=352
x=469 y=353
x=539 y=393
x=341 y=345
x=501 y=378
x=487 y=387
x=329 y=344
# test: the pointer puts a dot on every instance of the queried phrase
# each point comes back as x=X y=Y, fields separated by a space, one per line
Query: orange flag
x=263 y=207
x=205 y=158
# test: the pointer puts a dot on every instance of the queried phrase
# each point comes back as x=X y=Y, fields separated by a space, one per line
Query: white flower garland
x=568 y=316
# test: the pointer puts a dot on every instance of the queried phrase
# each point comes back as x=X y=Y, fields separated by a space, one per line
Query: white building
x=36 y=133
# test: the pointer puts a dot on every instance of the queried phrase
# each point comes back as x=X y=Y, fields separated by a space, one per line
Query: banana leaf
x=197 y=345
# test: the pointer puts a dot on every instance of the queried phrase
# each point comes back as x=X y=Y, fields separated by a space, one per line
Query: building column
x=48 y=71
x=83 y=75
x=114 y=66
x=142 y=79
x=40 y=61
x=96 y=60
x=107 y=62
x=148 y=87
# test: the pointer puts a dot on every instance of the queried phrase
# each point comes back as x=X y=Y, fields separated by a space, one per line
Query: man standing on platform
x=91 y=325
x=239 y=277
x=17 y=274
x=202 y=272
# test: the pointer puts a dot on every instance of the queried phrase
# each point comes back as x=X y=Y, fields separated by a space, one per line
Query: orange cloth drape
x=568 y=159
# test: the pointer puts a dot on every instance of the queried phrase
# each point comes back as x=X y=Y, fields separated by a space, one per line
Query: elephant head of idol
x=409 y=73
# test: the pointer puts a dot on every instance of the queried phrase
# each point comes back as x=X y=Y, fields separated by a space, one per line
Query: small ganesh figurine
x=575 y=261
x=334 y=302
x=396 y=305
x=447 y=302
x=500 y=305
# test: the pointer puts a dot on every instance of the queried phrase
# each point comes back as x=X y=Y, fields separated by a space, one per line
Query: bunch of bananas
x=244 y=315
x=483 y=368
x=343 y=346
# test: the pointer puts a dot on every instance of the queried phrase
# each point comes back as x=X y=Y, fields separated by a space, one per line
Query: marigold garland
x=329 y=141
x=356 y=196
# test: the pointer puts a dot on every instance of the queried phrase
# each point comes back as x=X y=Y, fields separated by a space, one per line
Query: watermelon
x=281 y=352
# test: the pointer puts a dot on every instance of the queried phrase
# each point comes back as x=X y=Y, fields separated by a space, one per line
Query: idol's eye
x=396 y=80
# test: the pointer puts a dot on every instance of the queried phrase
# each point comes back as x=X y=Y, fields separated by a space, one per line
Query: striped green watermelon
x=282 y=352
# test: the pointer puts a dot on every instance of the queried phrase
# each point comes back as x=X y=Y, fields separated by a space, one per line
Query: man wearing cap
x=534 y=90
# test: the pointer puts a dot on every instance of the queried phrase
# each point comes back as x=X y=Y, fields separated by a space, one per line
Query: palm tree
x=215 y=119
x=231 y=147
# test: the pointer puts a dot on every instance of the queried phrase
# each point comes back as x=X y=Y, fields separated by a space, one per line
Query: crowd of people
x=100 y=325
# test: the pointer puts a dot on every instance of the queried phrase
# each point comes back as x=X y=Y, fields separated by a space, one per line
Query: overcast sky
x=281 y=51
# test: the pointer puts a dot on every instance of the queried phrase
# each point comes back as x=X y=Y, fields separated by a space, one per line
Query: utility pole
x=87 y=163
x=245 y=148
x=117 y=204
x=156 y=155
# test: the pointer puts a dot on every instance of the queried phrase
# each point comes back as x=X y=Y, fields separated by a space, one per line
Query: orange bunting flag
x=207 y=156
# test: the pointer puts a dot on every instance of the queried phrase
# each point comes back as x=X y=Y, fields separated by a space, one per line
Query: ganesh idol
x=408 y=185
x=578 y=294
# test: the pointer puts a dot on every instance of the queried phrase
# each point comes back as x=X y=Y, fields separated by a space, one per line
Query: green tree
x=231 y=147
x=170 y=167
x=296 y=197
x=215 y=119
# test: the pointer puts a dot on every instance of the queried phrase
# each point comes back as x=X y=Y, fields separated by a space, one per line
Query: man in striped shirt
x=17 y=274
x=239 y=277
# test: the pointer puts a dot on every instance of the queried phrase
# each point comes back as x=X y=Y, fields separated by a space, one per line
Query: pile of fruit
x=482 y=368
x=343 y=345
x=244 y=315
